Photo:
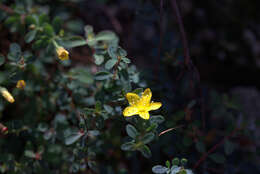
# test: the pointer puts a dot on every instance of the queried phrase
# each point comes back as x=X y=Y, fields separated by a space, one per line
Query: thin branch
x=214 y=148
x=116 y=67
x=183 y=33
x=168 y=130
x=161 y=30
x=187 y=61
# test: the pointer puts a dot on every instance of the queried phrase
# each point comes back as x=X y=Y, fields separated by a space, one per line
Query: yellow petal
x=62 y=53
x=130 y=111
x=144 y=114
x=21 y=84
x=146 y=96
x=132 y=98
x=155 y=105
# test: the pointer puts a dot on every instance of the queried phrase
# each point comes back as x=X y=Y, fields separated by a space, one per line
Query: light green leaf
x=72 y=137
x=105 y=36
x=29 y=153
x=128 y=146
x=110 y=63
x=158 y=169
x=99 y=59
x=30 y=36
x=74 y=41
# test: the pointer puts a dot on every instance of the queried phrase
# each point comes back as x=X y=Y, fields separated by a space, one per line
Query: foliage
x=71 y=112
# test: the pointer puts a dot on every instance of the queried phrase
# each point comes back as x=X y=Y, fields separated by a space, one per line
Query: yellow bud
x=62 y=53
x=21 y=84
x=7 y=95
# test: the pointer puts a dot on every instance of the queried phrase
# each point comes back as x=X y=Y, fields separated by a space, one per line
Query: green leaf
x=229 y=147
x=30 y=20
x=2 y=59
x=184 y=161
x=57 y=23
x=128 y=146
x=146 y=152
x=105 y=36
x=103 y=75
x=108 y=108
x=15 y=52
x=152 y=127
x=110 y=63
x=126 y=60
x=157 y=119
x=158 y=169
x=200 y=147
x=218 y=158
x=147 y=138
x=175 y=161
x=48 y=30
x=74 y=41
x=112 y=52
x=30 y=36
x=122 y=52
x=72 y=137
x=131 y=131
x=168 y=164
x=29 y=153
x=99 y=59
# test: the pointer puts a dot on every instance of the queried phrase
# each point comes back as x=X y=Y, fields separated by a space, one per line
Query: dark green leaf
x=229 y=147
x=131 y=131
x=218 y=158
x=146 y=152
x=200 y=147
x=2 y=59
x=147 y=138
x=157 y=119
x=103 y=75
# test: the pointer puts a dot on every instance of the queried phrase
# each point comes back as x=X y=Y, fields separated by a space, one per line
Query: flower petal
x=146 y=96
x=130 y=110
x=145 y=115
x=155 y=105
x=132 y=98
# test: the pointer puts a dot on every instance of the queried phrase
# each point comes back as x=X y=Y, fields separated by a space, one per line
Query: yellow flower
x=140 y=105
x=62 y=53
x=7 y=95
x=21 y=84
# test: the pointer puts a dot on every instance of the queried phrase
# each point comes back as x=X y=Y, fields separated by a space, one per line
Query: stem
x=161 y=32
x=183 y=33
x=214 y=148
x=187 y=61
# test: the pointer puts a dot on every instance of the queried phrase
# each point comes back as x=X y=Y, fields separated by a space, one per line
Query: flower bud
x=62 y=53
